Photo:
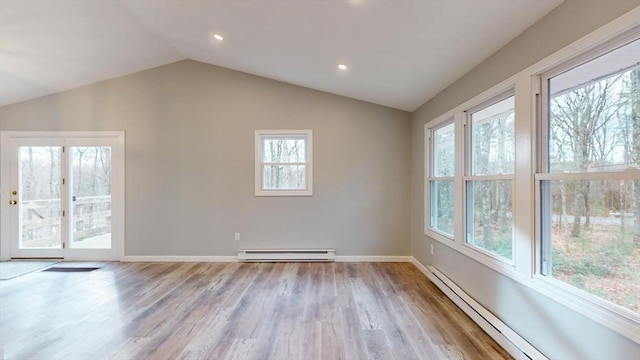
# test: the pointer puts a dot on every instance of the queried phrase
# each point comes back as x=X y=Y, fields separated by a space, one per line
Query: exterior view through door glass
x=65 y=193
x=40 y=198
x=90 y=188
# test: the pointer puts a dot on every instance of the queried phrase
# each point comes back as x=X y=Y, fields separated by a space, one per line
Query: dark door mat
x=70 y=269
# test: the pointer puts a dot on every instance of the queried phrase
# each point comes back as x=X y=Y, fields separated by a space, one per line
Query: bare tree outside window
x=441 y=179
x=40 y=196
x=282 y=158
x=40 y=202
x=591 y=216
x=283 y=163
x=489 y=193
x=91 y=197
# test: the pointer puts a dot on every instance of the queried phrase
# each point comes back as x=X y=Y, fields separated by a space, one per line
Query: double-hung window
x=589 y=178
x=542 y=182
x=283 y=163
x=489 y=177
x=441 y=178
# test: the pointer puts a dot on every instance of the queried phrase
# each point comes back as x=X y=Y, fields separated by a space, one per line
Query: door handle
x=13 y=202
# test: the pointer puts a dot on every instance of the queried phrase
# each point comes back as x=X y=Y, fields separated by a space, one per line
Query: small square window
x=283 y=163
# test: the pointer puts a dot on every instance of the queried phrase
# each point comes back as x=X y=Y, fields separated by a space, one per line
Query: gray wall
x=552 y=328
x=190 y=161
x=189 y=129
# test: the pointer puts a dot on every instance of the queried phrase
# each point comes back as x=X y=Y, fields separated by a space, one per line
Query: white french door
x=65 y=195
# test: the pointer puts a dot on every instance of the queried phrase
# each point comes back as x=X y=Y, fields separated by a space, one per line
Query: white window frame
x=526 y=270
x=522 y=169
x=260 y=135
x=544 y=174
x=429 y=166
x=470 y=178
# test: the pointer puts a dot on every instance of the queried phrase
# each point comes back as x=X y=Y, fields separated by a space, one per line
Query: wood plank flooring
x=236 y=311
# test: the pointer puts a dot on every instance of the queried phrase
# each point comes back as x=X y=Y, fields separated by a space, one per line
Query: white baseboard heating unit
x=511 y=341
x=274 y=255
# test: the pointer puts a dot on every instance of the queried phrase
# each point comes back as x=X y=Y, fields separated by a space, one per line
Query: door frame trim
x=118 y=186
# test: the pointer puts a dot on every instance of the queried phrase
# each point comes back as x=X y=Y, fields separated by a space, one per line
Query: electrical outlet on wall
x=431 y=249
x=237 y=237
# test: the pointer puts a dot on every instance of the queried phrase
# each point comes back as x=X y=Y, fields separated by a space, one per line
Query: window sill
x=619 y=319
x=442 y=237
x=623 y=321
x=284 y=193
x=475 y=253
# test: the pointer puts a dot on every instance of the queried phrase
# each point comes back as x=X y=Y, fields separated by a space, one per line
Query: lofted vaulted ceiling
x=399 y=53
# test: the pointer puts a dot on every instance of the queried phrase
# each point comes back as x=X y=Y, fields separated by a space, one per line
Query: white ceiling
x=400 y=53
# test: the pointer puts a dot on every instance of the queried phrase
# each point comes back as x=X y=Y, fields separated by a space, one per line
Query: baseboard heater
x=275 y=255
x=513 y=343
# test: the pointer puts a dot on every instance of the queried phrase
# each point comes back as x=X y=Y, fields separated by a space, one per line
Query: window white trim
x=626 y=174
x=469 y=177
x=429 y=177
x=524 y=215
x=614 y=316
x=307 y=135
x=526 y=221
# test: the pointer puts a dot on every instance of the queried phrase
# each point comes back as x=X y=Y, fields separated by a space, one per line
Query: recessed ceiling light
x=218 y=37
x=342 y=66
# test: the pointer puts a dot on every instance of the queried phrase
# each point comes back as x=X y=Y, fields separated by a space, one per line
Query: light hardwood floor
x=236 y=311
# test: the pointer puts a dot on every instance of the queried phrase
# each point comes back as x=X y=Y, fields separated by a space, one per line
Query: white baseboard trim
x=513 y=343
x=133 y=258
x=180 y=258
x=374 y=258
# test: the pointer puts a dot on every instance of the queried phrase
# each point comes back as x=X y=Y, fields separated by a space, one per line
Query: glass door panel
x=90 y=189
x=39 y=194
x=65 y=195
